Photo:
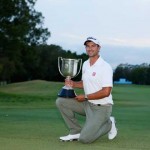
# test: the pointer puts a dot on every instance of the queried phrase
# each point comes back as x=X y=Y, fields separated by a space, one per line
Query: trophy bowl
x=68 y=68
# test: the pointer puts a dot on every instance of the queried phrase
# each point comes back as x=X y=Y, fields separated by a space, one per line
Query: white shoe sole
x=71 y=140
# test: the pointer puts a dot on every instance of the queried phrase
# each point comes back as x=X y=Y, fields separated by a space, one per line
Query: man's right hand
x=68 y=83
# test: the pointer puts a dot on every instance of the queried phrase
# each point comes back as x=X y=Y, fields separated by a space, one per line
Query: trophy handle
x=80 y=60
x=59 y=66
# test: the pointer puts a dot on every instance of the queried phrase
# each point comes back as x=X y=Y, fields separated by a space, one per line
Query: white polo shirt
x=96 y=77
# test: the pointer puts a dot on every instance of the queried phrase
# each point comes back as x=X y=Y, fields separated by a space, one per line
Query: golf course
x=29 y=119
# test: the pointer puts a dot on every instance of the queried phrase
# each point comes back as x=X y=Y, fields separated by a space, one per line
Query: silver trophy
x=69 y=69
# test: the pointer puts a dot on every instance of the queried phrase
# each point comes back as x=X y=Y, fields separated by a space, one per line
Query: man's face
x=92 y=49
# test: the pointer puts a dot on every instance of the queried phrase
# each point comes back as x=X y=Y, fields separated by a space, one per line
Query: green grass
x=29 y=119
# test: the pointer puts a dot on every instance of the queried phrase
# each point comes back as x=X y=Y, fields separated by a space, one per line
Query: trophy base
x=67 y=93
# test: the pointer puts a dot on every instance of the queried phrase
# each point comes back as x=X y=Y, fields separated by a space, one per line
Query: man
x=96 y=103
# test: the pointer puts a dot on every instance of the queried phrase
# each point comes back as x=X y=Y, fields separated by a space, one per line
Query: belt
x=98 y=104
x=102 y=104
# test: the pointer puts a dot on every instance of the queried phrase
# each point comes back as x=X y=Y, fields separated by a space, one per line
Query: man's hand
x=80 y=98
x=68 y=83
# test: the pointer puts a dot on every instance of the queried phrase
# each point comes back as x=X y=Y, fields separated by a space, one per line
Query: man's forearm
x=105 y=92
x=78 y=84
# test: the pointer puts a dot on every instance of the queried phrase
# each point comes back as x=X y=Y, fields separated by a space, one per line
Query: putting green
x=30 y=120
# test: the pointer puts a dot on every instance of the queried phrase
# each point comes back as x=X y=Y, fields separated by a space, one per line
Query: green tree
x=21 y=29
x=140 y=75
x=118 y=73
x=148 y=76
x=48 y=62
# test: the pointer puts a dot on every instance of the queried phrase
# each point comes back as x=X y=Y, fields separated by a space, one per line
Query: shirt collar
x=99 y=61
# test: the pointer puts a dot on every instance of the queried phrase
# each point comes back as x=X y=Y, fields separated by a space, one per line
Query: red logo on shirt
x=94 y=73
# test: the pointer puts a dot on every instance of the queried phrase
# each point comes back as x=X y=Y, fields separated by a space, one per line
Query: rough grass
x=29 y=119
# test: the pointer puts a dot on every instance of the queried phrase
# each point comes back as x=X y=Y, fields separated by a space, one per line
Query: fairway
x=29 y=119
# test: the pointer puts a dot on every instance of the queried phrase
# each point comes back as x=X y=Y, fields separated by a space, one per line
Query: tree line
x=138 y=74
x=25 y=55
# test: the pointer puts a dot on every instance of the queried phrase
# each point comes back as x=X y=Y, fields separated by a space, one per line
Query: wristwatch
x=85 y=98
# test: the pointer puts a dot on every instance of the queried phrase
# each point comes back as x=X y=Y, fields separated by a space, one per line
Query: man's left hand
x=80 y=98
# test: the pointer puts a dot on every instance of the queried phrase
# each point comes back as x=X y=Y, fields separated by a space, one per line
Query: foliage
x=24 y=54
x=20 y=30
x=138 y=74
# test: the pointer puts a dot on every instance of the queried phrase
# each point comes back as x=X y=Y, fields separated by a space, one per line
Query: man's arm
x=104 y=92
x=78 y=84
x=74 y=84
